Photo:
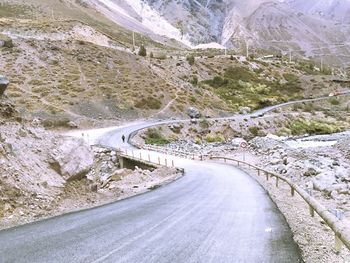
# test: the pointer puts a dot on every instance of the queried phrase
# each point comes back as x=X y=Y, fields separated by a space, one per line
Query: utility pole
x=225 y=50
x=247 y=45
x=321 y=64
x=133 y=40
x=290 y=56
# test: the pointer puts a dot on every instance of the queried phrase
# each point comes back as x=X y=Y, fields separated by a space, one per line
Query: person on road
x=123 y=138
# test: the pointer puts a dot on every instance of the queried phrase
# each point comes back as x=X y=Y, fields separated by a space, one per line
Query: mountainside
x=281 y=28
x=316 y=28
x=337 y=10
x=70 y=63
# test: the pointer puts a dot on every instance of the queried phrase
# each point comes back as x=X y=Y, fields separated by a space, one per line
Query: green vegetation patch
x=154 y=137
x=240 y=73
x=211 y=138
x=310 y=67
x=240 y=86
x=312 y=127
x=190 y=59
x=149 y=103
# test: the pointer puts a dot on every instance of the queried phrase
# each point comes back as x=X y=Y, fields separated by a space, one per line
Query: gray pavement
x=215 y=213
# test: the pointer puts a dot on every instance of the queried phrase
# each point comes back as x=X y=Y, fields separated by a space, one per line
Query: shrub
x=254 y=130
x=309 y=107
x=240 y=73
x=290 y=77
x=301 y=127
x=154 y=137
x=142 y=51
x=334 y=101
x=194 y=80
x=190 y=59
x=210 y=138
x=217 y=82
x=150 y=103
x=204 y=124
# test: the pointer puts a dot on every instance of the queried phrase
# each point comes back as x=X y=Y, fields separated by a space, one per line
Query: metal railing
x=146 y=158
x=341 y=232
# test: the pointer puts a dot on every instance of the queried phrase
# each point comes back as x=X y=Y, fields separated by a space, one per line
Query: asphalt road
x=215 y=213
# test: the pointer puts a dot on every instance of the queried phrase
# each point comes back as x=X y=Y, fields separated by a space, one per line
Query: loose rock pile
x=323 y=170
x=193 y=113
x=105 y=165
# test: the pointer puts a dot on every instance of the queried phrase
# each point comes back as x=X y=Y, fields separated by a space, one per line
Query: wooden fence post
x=312 y=211
x=338 y=243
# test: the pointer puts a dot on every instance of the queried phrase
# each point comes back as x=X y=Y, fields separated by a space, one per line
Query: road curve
x=215 y=213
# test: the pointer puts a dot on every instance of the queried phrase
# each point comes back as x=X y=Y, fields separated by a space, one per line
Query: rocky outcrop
x=106 y=163
x=72 y=158
x=245 y=110
x=193 y=113
x=3 y=84
x=8 y=110
x=5 y=41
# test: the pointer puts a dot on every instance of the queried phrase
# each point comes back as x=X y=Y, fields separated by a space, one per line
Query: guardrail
x=146 y=158
x=139 y=157
x=341 y=232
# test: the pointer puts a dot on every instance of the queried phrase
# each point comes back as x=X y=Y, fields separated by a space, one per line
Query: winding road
x=215 y=213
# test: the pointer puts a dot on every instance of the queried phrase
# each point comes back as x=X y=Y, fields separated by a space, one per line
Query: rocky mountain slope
x=43 y=173
x=70 y=65
x=338 y=10
x=315 y=28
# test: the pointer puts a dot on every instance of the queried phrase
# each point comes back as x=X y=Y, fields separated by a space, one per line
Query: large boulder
x=324 y=182
x=245 y=110
x=72 y=159
x=3 y=84
x=193 y=112
x=5 y=41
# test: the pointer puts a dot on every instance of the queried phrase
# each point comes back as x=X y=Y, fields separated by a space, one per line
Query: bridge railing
x=341 y=231
x=130 y=154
